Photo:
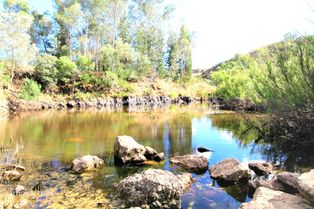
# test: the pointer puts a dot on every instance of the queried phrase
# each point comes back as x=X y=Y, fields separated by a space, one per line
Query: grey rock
x=306 y=185
x=155 y=188
x=193 y=163
x=229 y=170
x=129 y=151
x=265 y=198
x=86 y=163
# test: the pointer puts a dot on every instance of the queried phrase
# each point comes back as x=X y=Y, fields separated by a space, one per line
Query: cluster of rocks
x=292 y=189
x=17 y=105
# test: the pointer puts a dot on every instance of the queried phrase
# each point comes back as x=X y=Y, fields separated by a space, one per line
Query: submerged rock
x=261 y=169
x=21 y=204
x=12 y=167
x=270 y=199
x=19 y=189
x=128 y=151
x=9 y=176
x=155 y=188
x=86 y=163
x=229 y=170
x=193 y=163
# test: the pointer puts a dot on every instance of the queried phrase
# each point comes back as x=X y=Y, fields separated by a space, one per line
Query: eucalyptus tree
x=15 y=42
x=179 y=54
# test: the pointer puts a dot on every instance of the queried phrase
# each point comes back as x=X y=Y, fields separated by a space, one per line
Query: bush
x=233 y=79
x=46 y=71
x=66 y=70
x=84 y=63
x=109 y=80
x=30 y=90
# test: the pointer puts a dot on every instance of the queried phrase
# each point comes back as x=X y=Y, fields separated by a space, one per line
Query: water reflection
x=59 y=137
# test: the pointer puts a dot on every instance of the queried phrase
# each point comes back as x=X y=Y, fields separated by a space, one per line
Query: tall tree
x=179 y=57
x=42 y=32
x=15 y=41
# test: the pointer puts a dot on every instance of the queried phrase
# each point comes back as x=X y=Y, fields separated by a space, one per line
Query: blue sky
x=223 y=28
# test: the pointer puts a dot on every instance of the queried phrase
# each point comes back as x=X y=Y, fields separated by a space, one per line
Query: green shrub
x=108 y=80
x=46 y=71
x=84 y=63
x=30 y=90
x=67 y=70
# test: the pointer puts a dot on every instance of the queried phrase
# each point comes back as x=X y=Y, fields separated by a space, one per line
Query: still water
x=56 y=138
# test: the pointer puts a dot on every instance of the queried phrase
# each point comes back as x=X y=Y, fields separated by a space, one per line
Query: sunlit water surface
x=56 y=138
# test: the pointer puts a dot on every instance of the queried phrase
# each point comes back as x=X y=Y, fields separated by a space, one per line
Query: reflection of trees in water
x=244 y=132
x=291 y=155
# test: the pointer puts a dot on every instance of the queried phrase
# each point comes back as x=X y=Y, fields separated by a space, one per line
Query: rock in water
x=86 y=163
x=261 y=169
x=193 y=163
x=155 y=188
x=19 y=189
x=159 y=157
x=129 y=151
x=203 y=149
x=229 y=170
x=265 y=198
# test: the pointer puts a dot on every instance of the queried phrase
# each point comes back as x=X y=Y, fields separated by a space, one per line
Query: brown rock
x=265 y=198
x=229 y=170
x=193 y=163
x=261 y=169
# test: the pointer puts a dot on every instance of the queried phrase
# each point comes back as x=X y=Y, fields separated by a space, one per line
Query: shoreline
x=19 y=106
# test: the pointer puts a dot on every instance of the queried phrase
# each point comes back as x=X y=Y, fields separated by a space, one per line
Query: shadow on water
x=60 y=137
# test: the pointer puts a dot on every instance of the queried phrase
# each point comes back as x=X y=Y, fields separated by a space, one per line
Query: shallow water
x=54 y=139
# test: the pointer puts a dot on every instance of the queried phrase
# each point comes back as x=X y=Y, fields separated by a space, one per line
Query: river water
x=53 y=139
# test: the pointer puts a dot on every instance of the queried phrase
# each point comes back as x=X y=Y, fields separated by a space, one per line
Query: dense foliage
x=281 y=75
x=104 y=43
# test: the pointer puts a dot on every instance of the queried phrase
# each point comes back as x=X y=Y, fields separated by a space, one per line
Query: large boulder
x=289 y=181
x=193 y=163
x=265 y=198
x=261 y=169
x=229 y=170
x=306 y=185
x=155 y=188
x=128 y=151
x=86 y=163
